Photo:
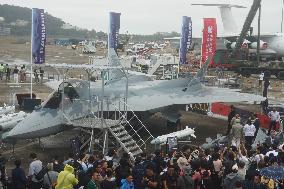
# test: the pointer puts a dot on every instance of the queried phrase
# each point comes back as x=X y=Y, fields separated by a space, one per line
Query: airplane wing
x=205 y=95
x=218 y=5
x=53 y=84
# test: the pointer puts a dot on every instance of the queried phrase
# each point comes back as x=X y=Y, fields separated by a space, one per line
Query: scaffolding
x=107 y=120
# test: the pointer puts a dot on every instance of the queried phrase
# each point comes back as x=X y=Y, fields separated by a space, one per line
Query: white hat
x=235 y=167
x=281 y=146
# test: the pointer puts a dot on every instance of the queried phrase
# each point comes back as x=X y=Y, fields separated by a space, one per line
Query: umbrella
x=273 y=172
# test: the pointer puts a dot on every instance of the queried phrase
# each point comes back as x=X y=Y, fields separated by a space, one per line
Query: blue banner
x=38 y=36
x=186 y=38
x=114 y=29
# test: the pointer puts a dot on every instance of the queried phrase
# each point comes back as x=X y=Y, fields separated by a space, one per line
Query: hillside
x=19 y=20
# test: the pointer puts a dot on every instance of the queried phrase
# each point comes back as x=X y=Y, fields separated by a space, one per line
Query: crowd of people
x=233 y=166
x=19 y=73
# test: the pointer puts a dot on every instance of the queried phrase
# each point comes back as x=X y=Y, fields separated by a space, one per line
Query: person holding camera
x=150 y=180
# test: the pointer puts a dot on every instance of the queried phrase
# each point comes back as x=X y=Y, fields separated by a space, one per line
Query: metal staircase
x=129 y=134
x=123 y=124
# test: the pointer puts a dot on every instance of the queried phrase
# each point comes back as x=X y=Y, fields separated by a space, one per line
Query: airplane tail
x=196 y=80
x=114 y=74
x=228 y=20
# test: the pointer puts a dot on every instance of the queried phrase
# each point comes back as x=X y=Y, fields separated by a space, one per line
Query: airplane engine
x=232 y=45
x=263 y=45
x=245 y=44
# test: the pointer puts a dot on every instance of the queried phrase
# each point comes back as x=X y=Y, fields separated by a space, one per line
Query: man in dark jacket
x=255 y=121
x=19 y=179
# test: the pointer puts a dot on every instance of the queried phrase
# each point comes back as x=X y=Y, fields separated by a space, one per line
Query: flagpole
x=32 y=55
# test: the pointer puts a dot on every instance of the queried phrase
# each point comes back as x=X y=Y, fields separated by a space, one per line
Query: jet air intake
x=232 y=45
x=263 y=45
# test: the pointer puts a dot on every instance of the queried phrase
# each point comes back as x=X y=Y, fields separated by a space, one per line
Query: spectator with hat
x=231 y=179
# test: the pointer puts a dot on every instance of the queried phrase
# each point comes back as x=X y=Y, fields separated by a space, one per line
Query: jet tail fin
x=114 y=74
x=228 y=20
x=196 y=80
x=202 y=71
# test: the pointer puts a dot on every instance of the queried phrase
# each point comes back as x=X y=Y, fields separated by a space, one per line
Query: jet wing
x=53 y=84
x=205 y=95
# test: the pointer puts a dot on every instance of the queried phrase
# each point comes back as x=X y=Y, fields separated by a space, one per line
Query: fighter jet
x=74 y=99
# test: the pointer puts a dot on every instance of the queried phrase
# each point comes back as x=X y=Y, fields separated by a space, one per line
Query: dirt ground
x=12 y=49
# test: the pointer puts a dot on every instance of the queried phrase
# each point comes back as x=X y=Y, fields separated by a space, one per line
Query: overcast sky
x=149 y=16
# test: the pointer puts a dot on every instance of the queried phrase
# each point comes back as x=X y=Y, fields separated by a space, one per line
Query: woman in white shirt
x=249 y=130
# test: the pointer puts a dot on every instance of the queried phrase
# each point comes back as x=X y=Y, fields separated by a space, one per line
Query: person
x=3 y=173
x=150 y=180
x=238 y=185
x=36 y=75
x=104 y=168
x=272 y=152
x=270 y=140
x=16 y=74
x=268 y=183
x=256 y=123
x=57 y=165
x=216 y=170
x=185 y=181
x=242 y=169
x=274 y=119
x=34 y=168
x=206 y=181
x=169 y=178
x=19 y=179
x=230 y=117
x=138 y=171
x=109 y=182
x=231 y=179
x=260 y=79
x=50 y=178
x=123 y=169
x=1 y=71
x=229 y=163
x=127 y=183
x=41 y=72
x=249 y=130
x=237 y=132
x=23 y=74
x=159 y=162
x=8 y=73
x=253 y=183
x=70 y=159
x=92 y=184
x=66 y=178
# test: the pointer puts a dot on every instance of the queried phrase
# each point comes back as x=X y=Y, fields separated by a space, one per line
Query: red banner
x=209 y=39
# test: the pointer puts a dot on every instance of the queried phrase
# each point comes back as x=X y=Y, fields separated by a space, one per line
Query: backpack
x=39 y=176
